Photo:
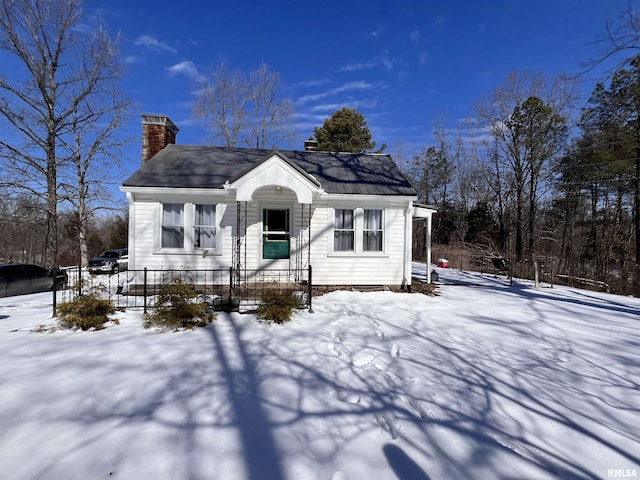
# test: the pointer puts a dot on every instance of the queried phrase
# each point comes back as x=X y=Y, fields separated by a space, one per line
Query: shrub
x=86 y=312
x=277 y=306
x=425 y=288
x=176 y=308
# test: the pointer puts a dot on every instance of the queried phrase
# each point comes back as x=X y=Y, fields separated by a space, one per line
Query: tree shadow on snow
x=311 y=394
x=527 y=290
x=261 y=456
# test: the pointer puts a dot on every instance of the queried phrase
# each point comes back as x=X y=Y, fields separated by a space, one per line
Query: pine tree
x=345 y=131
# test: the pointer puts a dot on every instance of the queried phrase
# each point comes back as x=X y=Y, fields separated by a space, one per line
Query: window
x=189 y=228
x=372 y=231
x=204 y=227
x=358 y=231
x=172 y=225
x=343 y=231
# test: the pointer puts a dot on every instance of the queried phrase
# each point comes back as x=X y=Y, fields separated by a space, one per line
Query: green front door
x=275 y=233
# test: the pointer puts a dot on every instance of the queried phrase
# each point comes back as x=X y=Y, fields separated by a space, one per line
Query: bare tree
x=518 y=115
x=55 y=85
x=93 y=152
x=495 y=189
x=621 y=39
x=245 y=109
x=221 y=104
x=269 y=117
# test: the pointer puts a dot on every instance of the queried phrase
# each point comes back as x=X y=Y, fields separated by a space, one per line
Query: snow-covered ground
x=484 y=381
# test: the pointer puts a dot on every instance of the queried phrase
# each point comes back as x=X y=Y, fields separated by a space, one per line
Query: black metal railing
x=228 y=289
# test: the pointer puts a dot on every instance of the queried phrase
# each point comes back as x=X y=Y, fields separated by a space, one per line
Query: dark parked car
x=110 y=261
x=19 y=278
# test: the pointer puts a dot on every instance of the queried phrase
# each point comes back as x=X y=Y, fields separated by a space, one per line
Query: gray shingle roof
x=192 y=166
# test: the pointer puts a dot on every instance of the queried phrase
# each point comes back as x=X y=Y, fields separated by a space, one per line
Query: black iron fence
x=224 y=289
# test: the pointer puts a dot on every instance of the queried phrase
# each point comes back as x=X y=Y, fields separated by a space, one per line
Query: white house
x=349 y=215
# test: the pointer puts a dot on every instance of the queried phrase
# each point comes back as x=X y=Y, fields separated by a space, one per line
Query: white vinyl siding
x=359 y=267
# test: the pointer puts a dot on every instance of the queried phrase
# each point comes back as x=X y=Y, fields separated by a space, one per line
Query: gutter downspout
x=408 y=243
x=428 y=246
x=131 y=245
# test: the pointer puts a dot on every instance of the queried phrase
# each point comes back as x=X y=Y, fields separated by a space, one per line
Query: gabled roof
x=194 y=166
x=284 y=158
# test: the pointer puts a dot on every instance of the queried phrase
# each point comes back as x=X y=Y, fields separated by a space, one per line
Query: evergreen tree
x=345 y=131
x=614 y=114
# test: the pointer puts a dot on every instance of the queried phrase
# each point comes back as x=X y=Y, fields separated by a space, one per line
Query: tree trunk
x=83 y=226
x=519 y=220
x=51 y=248
x=532 y=214
x=636 y=210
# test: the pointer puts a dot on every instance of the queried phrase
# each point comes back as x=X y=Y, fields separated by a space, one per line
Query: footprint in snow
x=413 y=409
x=395 y=378
x=386 y=426
x=363 y=359
x=336 y=352
x=345 y=397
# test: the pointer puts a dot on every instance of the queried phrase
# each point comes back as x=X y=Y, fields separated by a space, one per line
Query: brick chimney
x=157 y=132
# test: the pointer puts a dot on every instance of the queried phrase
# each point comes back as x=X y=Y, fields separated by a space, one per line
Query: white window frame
x=164 y=225
x=358 y=226
x=380 y=230
x=352 y=230
x=189 y=217
x=212 y=227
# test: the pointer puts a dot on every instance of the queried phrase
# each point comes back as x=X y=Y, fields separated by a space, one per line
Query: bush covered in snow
x=176 y=308
x=277 y=306
x=86 y=312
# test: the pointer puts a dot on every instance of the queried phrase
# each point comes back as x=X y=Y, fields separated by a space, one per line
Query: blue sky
x=403 y=64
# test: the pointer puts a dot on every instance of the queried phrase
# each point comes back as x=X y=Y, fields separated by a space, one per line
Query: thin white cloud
x=329 y=108
x=354 y=67
x=314 y=83
x=154 y=44
x=351 y=86
x=186 y=68
x=325 y=107
x=422 y=57
x=85 y=28
x=387 y=62
x=133 y=60
x=383 y=59
x=415 y=36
